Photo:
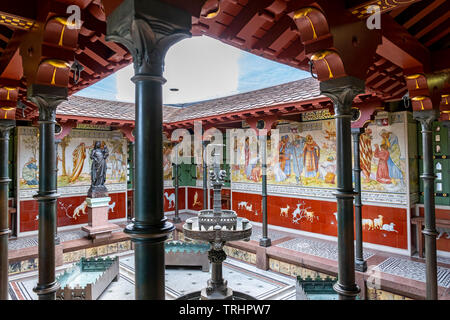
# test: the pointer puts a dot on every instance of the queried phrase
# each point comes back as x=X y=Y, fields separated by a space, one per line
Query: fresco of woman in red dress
x=311 y=156
x=382 y=154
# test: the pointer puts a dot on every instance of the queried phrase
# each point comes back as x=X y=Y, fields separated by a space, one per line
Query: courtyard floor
x=396 y=273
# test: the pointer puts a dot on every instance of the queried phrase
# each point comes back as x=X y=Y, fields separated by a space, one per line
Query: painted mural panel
x=169 y=199
x=307 y=156
x=195 y=199
x=73 y=160
x=70 y=211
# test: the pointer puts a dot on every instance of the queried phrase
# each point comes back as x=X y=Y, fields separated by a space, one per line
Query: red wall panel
x=170 y=205
x=70 y=211
x=318 y=217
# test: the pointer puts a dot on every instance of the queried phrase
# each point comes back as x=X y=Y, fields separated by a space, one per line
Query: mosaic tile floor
x=183 y=216
x=264 y=285
x=412 y=270
x=320 y=248
x=32 y=241
x=273 y=234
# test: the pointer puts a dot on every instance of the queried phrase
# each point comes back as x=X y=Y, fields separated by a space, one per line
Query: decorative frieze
x=325 y=193
x=25 y=194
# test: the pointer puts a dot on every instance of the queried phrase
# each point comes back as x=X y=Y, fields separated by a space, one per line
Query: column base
x=265 y=242
x=361 y=265
x=216 y=295
x=47 y=290
x=346 y=293
x=176 y=219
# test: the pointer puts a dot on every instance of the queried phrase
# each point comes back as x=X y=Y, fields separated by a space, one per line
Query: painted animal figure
x=249 y=208
x=310 y=215
x=242 y=204
x=441 y=233
x=111 y=206
x=284 y=211
x=170 y=198
x=81 y=208
x=196 y=202
x=297 y=211
x=389 y=227
x=378 y=223
x=368 y=223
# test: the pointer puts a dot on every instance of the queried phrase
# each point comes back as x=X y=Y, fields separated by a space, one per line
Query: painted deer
x=368 y=223
x=249 y=207
x=111 y=206
x=284 y=211
x=310 y=215
x=389 y=227
x=378 y=223
x=196 y=202
x=170 y=198
x=242 y=204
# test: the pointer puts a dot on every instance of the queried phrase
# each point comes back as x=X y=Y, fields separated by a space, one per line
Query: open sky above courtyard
x=201 y=68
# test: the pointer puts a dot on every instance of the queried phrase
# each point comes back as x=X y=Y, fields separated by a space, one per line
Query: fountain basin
x=192 y=230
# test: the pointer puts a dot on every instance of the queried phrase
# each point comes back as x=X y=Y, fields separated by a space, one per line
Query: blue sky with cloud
x=201 y=68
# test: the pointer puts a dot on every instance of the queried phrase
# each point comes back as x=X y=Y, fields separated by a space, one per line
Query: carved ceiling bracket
x=430 y=92
x=327 y=42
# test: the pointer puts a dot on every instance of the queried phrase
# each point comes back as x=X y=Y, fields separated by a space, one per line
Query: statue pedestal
x=99 y=228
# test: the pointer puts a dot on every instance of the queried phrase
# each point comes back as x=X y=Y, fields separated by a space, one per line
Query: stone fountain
x=217 y=226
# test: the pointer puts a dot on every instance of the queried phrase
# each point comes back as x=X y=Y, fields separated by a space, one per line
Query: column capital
x=342 y=91
x=47 y=98
x=148 y=29
x=426 y=117
x=5 y=128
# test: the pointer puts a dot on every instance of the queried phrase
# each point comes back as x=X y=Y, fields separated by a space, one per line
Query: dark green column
x=47 y=194
x=148 y=29
x=360 y=263
x=176 y=218
x=426 y=119
x=265 y=240
x=5 y=128
x=342 y=91
x=205 y=175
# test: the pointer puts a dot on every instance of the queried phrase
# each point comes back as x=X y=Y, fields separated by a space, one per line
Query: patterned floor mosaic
x=324 y=249
x=264 y=285
x=273 y=234
x=183 y=216
x=32 y=241
x=413 y=270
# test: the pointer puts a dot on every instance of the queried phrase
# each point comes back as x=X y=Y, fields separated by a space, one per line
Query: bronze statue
x=98 y=171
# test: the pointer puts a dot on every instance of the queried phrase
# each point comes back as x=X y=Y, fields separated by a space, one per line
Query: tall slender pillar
x=47 y=194
x=426 y=119
x=176 y=218
x=148 y=29
x=360 y=263
x=265 y=240
x=205 y=175
x=342 y=91
x=5 y=127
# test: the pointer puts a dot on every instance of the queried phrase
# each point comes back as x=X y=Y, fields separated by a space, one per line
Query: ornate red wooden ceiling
x=414 y=33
